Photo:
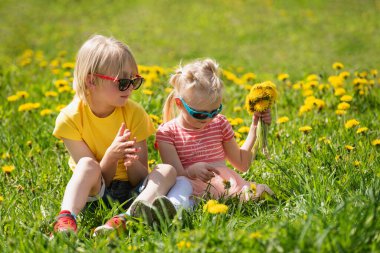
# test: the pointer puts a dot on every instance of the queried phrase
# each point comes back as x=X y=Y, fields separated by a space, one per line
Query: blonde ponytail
x=168 y=113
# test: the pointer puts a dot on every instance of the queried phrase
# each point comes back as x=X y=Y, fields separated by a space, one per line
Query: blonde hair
x=201 y=76
x=101 y=55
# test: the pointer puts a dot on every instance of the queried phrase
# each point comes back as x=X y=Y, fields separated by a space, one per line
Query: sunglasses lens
x=200 y=116
x=137 y=82
x=124 y=84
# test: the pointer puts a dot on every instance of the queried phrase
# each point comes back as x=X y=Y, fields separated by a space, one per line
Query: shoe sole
x=164 y=210
x=143 y=210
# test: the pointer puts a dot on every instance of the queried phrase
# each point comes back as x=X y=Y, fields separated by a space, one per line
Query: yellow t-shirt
x=77 y=122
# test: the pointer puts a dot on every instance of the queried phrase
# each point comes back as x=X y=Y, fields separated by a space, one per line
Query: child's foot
x=65 y=223
x=142 y=209
x=115 y=223
x=164 y=209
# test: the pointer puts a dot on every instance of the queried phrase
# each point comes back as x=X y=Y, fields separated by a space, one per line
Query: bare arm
x=169 y=155
x=241 y=157
x=137 y=169
x=200 y=170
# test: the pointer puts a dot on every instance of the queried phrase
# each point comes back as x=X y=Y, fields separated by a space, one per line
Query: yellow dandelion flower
x=338 y=157
x=375 y=142
x=319 y=103
x=309 y=100
x=64 y=89
x=255 y=235
x=262 y=106
x=147 y=92
x=336 y=81
x=213 y=207
x=305 y=129
x=337 y=65
x=363 y=74
x=305 y=108
x=357 y=163
x=373 y=72
x=58 y=108
x=218 y=209
x=248 y=77
x=51 y=94
x=340 y=112
x=312 y=77
x=22 y=94
x=244 y=129
x=61 y=83
x=325 y=140
x=307 y=93
x=282 y=120
x=132 y=248
x=343 y=106
x=344 y=74
x=339 y=92
x=238 y=109
x=1 y=199
x=282 y=77
x=247 y=87
x=237 y=135
x=296 y=86
x=8 y=168
x=43 y=64
x=13 y=98
x=46 y=112
x=253 y=187
x=168 y=90
x=236 y=121
x=68 y=65
x=361 y=130
x=349 y=147
x=183 y=244
x=346 y=98
x=5 y=155
x=351 y=123
x=28 y=107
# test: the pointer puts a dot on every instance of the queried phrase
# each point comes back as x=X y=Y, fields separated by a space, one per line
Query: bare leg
x=86 y=181
x=160 y=180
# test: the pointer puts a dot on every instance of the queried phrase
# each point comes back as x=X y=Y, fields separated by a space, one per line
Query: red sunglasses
x=124 y=83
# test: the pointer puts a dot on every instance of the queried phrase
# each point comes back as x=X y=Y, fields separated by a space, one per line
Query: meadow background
x=326 y=178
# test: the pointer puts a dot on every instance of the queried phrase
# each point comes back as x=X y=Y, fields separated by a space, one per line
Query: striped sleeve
x=165 y=134
x=227 y=131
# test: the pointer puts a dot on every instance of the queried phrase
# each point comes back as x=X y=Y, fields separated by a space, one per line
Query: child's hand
x=122 y=147
x=202 y=171
x=261 y=190
x=265 y=116
x=131 y=157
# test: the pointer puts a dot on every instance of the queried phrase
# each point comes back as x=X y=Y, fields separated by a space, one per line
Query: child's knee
x=168 y=171
x=88 y=166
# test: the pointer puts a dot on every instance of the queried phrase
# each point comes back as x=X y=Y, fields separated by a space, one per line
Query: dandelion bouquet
x=260 y=98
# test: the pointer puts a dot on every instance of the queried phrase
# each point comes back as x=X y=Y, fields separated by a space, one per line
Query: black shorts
x=121 y=192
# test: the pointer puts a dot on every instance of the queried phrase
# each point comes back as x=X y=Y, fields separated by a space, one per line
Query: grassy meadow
x=324 y=140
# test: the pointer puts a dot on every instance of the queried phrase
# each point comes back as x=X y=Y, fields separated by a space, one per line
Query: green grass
x=325 y=203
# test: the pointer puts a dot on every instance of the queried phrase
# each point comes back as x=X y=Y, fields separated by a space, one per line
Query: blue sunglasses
x=201 y=115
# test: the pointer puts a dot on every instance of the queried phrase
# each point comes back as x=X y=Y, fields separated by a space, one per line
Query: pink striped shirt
x=203 y=145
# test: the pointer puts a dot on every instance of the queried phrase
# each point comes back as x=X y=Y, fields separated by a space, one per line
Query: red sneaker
x=117 y=222
x=65 y=222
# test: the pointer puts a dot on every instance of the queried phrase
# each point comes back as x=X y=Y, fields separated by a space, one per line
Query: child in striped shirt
x=199 y=140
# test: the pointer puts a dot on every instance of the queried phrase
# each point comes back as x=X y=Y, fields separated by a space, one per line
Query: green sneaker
x=164 y=210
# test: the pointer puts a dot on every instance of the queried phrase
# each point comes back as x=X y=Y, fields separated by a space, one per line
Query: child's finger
x=213 y=169
x=121 y=129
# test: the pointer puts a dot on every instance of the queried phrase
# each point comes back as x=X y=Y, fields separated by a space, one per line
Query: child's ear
x=90 y=82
